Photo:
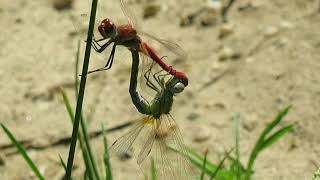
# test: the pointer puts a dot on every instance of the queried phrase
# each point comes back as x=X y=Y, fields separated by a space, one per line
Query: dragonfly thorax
x=107 y=29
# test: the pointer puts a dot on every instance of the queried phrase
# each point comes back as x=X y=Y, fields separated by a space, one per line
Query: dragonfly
x=130 y=36
x=157 y=129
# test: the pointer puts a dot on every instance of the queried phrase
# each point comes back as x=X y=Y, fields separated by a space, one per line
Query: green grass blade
x=197 y=160
x=106 y=158
x=76 y=71
x=261 y=141
x=63 y=163
x=237 y=151
x=276 y=136
x=214 y=174
x=67 y=105
x=84 y=150
x=23 y=152
x=84 y=134
x=275 y=122
x=81 y=91
x=204 y=164
x=316 y=175
x=153 y=170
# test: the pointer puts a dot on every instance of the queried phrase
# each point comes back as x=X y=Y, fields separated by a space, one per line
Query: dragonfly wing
x=129 y=15
x=169 y=45
x=124 y=143
x=81 y=24
x=181 y=167
x=147 y=147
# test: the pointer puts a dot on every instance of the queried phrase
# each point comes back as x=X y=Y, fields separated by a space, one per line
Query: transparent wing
x=147 y=146
x=81 y=24
x=129 y=15
x=169 y=45
x=125 y=142
x=170 y=165
x=182 y=167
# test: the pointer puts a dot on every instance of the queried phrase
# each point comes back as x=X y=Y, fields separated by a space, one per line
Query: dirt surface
x=267 y=59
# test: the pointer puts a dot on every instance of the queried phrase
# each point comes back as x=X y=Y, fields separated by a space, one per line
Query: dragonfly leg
x=109 y=63
x=156 y=78
x=111 y=57
x=159 y=80
x=100 y=48
x=148 y=82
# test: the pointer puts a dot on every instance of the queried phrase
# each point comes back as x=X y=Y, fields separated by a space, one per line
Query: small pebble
x=271 y=31
x=228 y=53
x=220 y=106
x=150 y=10
x=193 y=116
x=18 y=21
x=199 y=133
x=225 y=30
x=62 y=4
x=249 y=126
x=250 y=60
x=225 y=53
x=186 y=20
x=214 y=6
x=286 y=25
x=283 y=41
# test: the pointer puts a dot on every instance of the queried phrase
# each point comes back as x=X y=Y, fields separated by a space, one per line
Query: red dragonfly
x=129 y=35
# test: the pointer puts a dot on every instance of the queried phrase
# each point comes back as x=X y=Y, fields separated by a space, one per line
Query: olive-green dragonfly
x=157 y=129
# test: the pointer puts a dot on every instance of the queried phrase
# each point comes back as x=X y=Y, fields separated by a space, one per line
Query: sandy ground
x=275 y=47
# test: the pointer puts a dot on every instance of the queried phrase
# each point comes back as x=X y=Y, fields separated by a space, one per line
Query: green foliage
x=316 y=175
x=23 y=152
x=236 y=170
x=106 y=158
x=153 y=170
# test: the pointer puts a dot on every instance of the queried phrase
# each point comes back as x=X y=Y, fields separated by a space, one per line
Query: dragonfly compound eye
x=177 y=88
x=107 y=29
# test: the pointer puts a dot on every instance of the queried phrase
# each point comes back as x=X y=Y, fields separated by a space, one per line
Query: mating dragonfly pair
x=157 y=129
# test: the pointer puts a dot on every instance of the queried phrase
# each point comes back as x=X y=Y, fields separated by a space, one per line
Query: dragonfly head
x=107 y=28
x=182 y=77
x=175 y=86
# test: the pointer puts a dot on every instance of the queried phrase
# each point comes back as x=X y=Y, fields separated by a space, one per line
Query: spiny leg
x=95 y=43
x=161 y=79
x=156 y=78
x=148 y=82
x=155 y=74
x=109 y=62
x=100 y=48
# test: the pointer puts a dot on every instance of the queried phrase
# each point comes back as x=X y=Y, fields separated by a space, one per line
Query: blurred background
x=258 y=58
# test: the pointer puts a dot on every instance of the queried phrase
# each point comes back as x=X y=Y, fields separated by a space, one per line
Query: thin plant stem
x=204 y=163
x=237 y=138
x=81 y=91
x=83 y=125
